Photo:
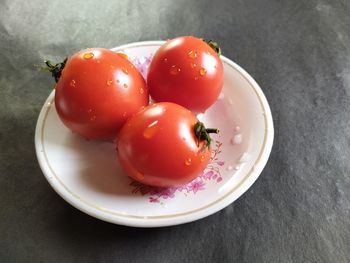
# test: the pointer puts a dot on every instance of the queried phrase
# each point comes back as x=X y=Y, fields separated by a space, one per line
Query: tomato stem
x=55 y=69
x=214 y=45
x=202 y=133
x=212 y=130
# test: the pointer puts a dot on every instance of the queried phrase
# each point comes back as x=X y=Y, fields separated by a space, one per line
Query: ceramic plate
x=87 y=175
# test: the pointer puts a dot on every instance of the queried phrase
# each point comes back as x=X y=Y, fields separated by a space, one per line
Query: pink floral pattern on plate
x=142 y=64
x=211 y=173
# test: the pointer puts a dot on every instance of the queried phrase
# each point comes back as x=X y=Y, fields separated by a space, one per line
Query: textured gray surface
x=298 y=210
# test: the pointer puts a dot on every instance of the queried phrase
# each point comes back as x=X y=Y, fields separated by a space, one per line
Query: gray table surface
x=297 y=211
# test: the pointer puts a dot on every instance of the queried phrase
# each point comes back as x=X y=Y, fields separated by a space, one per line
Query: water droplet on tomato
x=124 y=114
x=202 y=158
x=188 y=162
x=125 y=70
x=193 y=65
x=98 y=61
x=140 y=176
x=202 y=71
x=142 y=91
x=174 y=70
x=151 y=130
x=165 y=60
x=125 y=85
x=109 y=82
x=192 y=54
x=93 y=118
x=195 y=78
x=88 y=55
x=89 y=110
x=123 y=55
x=72 y=83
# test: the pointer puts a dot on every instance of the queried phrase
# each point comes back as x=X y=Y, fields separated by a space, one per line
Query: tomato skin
x=187 y=71
x=158 y=146
x=96 y=94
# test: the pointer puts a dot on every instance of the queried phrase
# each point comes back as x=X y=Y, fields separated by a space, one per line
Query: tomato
x=96 y=92
x=164 y=145
x=187 y=71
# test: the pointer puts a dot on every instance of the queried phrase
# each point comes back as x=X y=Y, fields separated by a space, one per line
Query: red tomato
x=164 y=145
x=187 y=71
x=97 y=91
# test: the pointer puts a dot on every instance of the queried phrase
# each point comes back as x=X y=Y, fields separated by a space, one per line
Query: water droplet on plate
x=237 y=167
x=237 y=139
x=237 y=128
x=88 y=55
x=229 y=168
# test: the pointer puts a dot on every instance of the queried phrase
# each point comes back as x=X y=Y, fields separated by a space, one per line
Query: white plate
x=86 y=174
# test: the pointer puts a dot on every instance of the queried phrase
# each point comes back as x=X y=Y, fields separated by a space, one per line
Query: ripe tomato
x=96 y=92
x=164 y=145
x=187 y=71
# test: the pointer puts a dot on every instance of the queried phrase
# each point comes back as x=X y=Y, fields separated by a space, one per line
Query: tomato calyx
x=202 y=133
x=55 y=69
x=214 y=45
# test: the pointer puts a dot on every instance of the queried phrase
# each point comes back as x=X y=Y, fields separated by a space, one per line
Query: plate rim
x=167 y=220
